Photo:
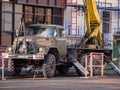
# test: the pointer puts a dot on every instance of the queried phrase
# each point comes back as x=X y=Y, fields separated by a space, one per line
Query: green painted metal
x=116 y=54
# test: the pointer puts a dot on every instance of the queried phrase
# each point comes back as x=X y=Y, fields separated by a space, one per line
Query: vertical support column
x=91 y=65
x=86 y=63
x=3 y=70
x=0 y=22
x=3 y=66
x=105 y=5
x=100 y=59
x=118 y=14
x=63 y=6
x=13 y=24
x=102 y=64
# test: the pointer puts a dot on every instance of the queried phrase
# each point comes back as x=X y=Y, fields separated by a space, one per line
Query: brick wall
x=6 y=39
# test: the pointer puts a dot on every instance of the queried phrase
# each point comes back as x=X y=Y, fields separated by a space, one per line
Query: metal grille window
x=106 y=22
x=57 y=16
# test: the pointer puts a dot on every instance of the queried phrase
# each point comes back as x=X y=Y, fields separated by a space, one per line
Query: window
x=7 y=7
x=6 y=21
x=106 y=22
x=57 y=16
x=18 y=15
x=7 y=17
x=18 y=8
x=6 y=33
x=40 y=15
x=28 y=15
x=48 y=16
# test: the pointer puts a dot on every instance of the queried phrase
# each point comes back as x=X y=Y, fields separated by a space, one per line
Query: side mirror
x=63 y=33
x=55 y=34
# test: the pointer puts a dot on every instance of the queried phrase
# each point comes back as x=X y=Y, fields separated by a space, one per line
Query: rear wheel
x=49 y=66
x=13 y=67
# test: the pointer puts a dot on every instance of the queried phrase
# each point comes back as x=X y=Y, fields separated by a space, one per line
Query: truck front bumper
x=23 y=56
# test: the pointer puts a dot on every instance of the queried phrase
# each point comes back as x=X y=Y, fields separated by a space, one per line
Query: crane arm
x=93 y=23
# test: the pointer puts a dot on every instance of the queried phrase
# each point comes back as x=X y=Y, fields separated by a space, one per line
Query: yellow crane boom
x=93 y=35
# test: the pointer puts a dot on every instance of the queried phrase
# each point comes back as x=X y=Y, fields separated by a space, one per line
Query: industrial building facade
x=53 y=12
x=33 y=11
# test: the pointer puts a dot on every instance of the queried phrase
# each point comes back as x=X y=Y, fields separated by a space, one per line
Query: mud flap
x=80 y=67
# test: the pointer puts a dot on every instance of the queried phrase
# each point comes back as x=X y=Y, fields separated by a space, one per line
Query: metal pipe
x=118 y=15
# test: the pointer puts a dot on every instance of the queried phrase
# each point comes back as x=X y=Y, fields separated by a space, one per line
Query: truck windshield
x=34 y=31
x=45 y=32
x=49 y=32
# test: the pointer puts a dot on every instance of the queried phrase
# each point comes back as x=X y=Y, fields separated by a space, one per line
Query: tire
x=49 y=66
x=13 y=68
x=62 y=70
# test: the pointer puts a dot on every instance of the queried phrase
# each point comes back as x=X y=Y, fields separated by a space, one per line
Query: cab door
x=61 y=42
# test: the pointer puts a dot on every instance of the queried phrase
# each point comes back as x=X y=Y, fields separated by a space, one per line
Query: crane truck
x=45 y=46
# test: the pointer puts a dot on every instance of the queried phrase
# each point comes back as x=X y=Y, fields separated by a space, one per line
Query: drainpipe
x=118 y=14
x=0 y=22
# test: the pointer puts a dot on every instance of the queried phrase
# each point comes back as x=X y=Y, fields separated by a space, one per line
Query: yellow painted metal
x=93 y=22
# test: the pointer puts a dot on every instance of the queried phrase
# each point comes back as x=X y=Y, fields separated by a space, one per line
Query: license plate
x=22 y=56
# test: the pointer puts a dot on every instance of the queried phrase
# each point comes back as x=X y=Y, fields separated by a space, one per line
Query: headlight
x=41 y=50
x=22 y=48
x=10 y=49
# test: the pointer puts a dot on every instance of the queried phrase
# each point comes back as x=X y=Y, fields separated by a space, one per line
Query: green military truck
x=41 y=45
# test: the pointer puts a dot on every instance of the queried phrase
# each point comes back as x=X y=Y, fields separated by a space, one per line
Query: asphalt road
x=61 y=83
x=110 y=81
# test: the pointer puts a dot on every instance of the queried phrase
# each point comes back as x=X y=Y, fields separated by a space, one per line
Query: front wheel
x=49 y=66
x=13 y=67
